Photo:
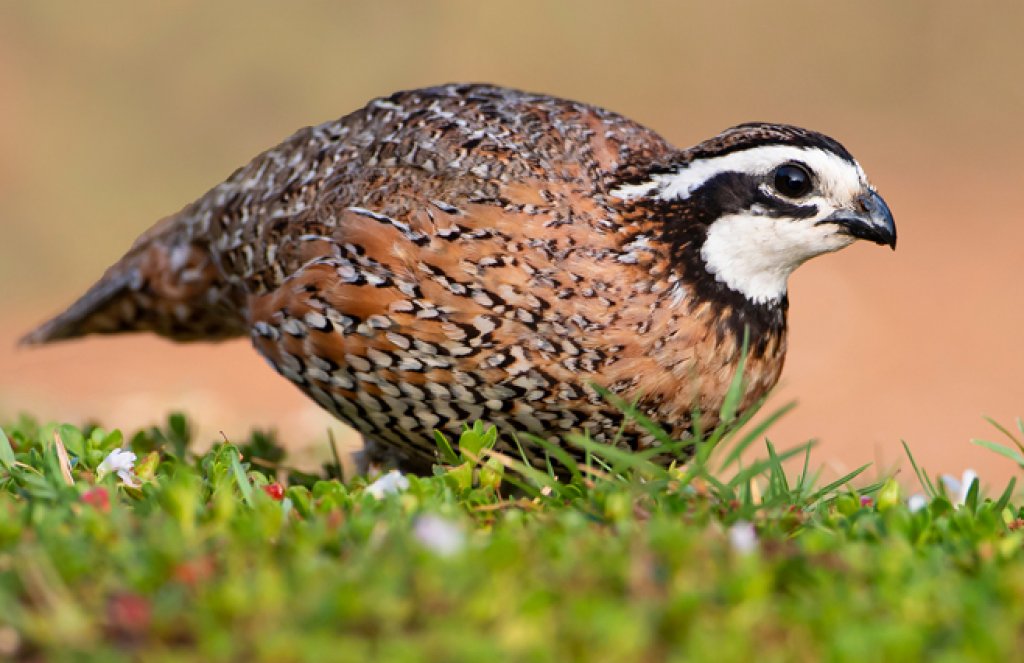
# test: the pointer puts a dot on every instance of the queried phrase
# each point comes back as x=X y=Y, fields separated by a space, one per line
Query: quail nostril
x=879 y=215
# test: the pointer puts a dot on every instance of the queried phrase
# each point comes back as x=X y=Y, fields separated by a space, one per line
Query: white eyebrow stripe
x=836 y=175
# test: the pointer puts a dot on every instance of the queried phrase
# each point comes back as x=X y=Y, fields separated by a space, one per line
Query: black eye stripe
x=734 y=192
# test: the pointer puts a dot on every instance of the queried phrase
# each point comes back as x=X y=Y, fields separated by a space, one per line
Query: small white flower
x=958 y=489
x=122 y=462
x=743 y=537
x=388 y=484
x=916 y=502
x=439 y=535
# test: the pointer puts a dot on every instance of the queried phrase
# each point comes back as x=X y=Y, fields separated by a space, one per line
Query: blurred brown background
x=114 y=114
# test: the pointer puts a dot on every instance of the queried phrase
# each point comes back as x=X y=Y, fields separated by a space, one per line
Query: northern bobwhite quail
x=469 y=252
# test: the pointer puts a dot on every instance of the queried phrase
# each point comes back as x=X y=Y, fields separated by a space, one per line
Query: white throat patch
x=754 y=255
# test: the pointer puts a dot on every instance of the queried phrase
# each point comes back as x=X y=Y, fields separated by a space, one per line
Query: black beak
x=871 y=220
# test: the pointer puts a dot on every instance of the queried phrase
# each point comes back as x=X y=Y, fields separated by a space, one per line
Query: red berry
x=98 y=498
x=275 y=490
x=129 y=614
x=194 y=571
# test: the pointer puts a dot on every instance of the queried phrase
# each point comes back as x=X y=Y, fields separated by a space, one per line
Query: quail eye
x=793 y=180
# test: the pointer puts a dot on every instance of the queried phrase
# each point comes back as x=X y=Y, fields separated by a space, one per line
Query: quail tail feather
x=167 y=284
x=88 y=315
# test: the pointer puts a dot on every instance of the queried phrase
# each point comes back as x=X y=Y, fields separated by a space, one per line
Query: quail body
x=470 y=252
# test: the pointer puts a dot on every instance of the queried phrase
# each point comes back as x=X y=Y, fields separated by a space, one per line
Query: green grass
x=227 y=556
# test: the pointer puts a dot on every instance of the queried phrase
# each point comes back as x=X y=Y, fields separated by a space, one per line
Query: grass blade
x=754 y=434
x=1004 y=499
x=1002 y=429
x=634 y=413
x=760 y=466
x=6 y=451
x=1002 y=450
x=778 y=474
x=922 y=477
x=802 y=481
x=731 y=403
x=724 y=430
x=241 y=478
x=838 y=483
x=559 y=454
x=622 y=459
x=339 y=473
